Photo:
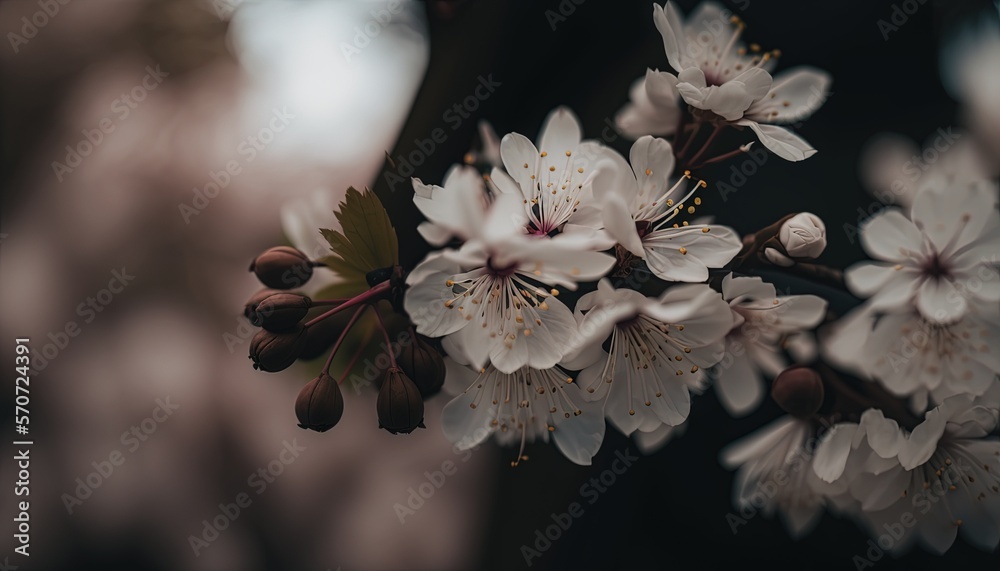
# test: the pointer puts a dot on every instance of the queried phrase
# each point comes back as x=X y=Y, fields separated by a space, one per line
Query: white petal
x=546 y=344
x=939 y=301
x=652 y=161
x=739 y=385
x=883 y=434
x=890 y=236
x=781 y=141
x=580 y=437
x=619 y=224
x=757 y=443
x=960 y=212
x=516 y=151
x=833 y=450
x=672 y=31
x=757 y=82
x=464 y=426
x=561 y=132
x=803 y=88
x=424 y=302
x=734 y=288
x=661 y=89
x=867 y=278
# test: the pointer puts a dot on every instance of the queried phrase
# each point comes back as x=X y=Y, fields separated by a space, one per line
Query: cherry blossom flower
x=914 y=357
x=753 y=347
x=657 y=352
x=526 y=405
x=775 y=474
x=642 y=207
x=717 y=74
x=940 y=258
x=944 y=473
x=553 y=179
x=495 y=294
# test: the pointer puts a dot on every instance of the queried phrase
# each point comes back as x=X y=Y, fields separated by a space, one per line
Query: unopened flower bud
x=798 y=391
x=424 y=365
x=320 y=404
x=282 y=267
x=803 y=236
x=400 y=407
x=256 y=298
x=280 y=311
x=273 y=352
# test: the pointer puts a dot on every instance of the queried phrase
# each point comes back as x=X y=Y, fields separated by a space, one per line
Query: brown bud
x=280 y=311
x=282 y=267
x=320 y=404
x=256 y=298
x=400 y=407
x=424 y=365
x=798 y=391
x=273 y=352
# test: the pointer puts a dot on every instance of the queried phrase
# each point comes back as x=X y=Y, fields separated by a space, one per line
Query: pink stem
x=704 y=147
x=366 y=297
x=690 y=140
x=343 y=335
x=357 y=355
x=718 y=158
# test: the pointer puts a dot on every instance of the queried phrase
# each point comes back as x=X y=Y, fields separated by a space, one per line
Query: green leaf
x=367 y=240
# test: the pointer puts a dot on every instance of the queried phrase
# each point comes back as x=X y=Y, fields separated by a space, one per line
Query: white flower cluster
x=913 y=455
x=910 y=439
x=551 y=215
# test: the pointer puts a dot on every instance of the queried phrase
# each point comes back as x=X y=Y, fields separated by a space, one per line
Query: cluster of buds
x=289 y=334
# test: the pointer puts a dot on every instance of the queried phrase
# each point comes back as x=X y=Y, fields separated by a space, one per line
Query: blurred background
x=148 y=147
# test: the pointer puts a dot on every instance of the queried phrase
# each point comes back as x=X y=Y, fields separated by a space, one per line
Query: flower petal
x=890 y=236
x=619 y=224
x=781 y=141
x=739 y=385
x=795 y=95
x=561 y=132
x=833 y=450
x=672 y=31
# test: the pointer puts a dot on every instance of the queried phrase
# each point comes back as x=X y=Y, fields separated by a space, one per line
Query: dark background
x=669 y=509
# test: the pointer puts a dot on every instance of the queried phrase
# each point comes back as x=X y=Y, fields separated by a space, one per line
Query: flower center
x=650 y=351
x=935 y=267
